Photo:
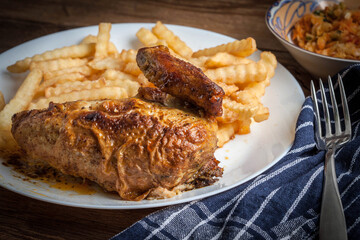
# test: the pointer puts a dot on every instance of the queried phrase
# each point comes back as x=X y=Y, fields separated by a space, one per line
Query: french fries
x=146 y=37
x=75 y=51
x=227 y=131
x=21 y=99
x=69 y=77
x=234 y=111
x=128 y=55
x=94 y=70
x=93 y=39
x=239 y=74
x=173 y=41
x=132 y=68
x=106 y=63
x=103 y=37
x=245 y=73
x=83 y=70
x=58 y=64
x=242 y=48
x=224 y=59
x=130 y=86
x=92 y=94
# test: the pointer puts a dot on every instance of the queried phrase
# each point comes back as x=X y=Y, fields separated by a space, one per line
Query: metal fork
x=332 y=219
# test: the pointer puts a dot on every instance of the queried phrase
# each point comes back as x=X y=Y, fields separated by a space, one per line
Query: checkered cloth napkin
x=283 y=202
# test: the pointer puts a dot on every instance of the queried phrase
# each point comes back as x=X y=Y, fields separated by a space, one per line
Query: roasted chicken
x=139 y=147
x=131 y=146
x=180 y=79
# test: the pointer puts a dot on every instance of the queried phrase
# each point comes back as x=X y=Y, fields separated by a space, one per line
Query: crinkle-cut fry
x=2 y=101
x=227 y=131
x=74 y=51
x=130 y=86
x=262 y=114
x=172 y=52
x=234 y=111
x=68 y=87
x=83 y=70
x=132 y=68
x=240 y=48
x=243 y=126
x=270 y=60
x=86 y=95
x=93 y=39
x=112 y=50
x=20 y=66
x=102 y=42
x=244 y=97
x=174 y=42
x=143 y=81
x=199 y=62
x=89 y=39
x=58 y=64
x=228 y=89
x=106 y=63
x=146 y=37
x=112 y=74
x=223 y=59
x=21 y=99
x=128 y=55
x=252 y=92
x=70 y=77
x=245 y=73
x=239 y=74
x=162 y=42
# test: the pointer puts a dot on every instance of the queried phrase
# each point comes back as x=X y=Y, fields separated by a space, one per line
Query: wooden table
x=26 y=218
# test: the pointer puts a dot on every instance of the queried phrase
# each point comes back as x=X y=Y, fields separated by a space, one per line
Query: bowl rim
x=267 y=18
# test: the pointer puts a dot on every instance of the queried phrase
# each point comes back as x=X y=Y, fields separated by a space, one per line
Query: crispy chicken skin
x=134 y=147
x=180 y=79
x=154 y=94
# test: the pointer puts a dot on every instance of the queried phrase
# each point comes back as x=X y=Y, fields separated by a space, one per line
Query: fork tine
x=316 y=106
x=345 y=106
x=335 y=107
x=326 y=110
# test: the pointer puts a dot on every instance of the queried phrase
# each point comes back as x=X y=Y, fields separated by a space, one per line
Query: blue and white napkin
x=283 y=202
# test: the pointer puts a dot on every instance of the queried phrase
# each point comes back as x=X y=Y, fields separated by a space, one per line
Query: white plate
x=242 y=158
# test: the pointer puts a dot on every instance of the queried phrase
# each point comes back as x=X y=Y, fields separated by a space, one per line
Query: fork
x=332 y=219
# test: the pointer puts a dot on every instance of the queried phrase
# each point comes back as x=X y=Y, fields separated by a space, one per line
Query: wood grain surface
x=20 y=20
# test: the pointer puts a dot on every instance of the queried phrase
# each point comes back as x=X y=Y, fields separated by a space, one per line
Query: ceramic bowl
x=280 y=19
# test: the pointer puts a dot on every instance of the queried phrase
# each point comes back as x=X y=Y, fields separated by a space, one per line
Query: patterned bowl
x=280 y=19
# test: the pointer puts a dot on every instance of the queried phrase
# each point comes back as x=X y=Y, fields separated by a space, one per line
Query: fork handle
x=332 y=218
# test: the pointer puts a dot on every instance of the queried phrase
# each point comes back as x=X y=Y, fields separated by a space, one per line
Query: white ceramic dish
x=280 y=19
x=242 y=158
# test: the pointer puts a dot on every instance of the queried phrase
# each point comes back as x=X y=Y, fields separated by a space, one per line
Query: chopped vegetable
x=333 y=31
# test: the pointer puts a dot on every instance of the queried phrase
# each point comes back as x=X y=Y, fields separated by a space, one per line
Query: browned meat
x=137 y=148
x=180 y=79
x=154 y=94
